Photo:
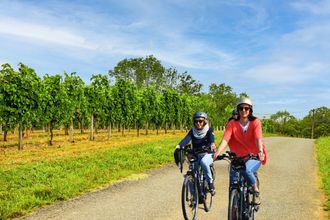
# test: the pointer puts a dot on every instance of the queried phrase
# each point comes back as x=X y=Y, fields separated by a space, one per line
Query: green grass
x=323 y=157
x=29 y=186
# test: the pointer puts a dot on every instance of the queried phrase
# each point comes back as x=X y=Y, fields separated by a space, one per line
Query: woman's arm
x=258 y=135
x=211 y=138
x=225 y=139
x=185 y=140
x=221 y=147
x=260 y=149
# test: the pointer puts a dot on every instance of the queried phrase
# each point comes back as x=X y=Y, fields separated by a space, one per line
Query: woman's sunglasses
x=198 y=121
x=244 y=108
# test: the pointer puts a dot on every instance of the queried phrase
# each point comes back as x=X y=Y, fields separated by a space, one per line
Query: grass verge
x=323 y=157
x=26 y=187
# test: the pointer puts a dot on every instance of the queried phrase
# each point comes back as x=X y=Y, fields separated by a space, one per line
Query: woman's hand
x=216 y=154
x=261 y=155
x=221 y=147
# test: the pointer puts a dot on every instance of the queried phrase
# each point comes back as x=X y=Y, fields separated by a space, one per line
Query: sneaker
x=211 y=188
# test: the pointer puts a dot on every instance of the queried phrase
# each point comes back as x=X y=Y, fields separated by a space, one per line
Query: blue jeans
x=251 y=167
x=205 y=161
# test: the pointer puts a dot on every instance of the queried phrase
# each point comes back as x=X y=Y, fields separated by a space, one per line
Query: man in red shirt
x=244 y=136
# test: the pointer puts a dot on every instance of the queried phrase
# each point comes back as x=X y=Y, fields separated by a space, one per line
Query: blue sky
x=278 y=52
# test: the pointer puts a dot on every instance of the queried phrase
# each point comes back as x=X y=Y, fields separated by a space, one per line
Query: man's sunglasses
x=198 y=121
x=245 y=108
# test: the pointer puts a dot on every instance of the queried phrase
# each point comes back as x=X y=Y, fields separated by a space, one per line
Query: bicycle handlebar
x=232 y=156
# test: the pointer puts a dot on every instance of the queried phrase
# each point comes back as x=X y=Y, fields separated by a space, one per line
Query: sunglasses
x=244 y=108
x=198 y=121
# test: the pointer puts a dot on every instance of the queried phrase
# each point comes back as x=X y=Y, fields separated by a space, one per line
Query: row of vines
x=138 y=93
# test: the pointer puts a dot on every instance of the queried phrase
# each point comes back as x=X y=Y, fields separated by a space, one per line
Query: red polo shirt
x=243 y=143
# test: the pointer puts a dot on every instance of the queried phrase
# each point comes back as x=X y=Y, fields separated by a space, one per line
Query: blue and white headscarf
x=199 y=134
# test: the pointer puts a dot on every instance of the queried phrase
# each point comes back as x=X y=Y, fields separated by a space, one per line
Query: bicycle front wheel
x=189 y=198
x=234 y=207
x=208 y=198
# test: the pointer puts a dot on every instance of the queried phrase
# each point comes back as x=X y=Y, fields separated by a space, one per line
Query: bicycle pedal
x=256 y=208
x=212 y=192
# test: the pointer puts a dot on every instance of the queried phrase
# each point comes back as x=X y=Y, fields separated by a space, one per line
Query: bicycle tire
x=253 y=214
x=208 y=198
x=213 y=171
x=189 y=198
x=234 y=207
x=249 y=213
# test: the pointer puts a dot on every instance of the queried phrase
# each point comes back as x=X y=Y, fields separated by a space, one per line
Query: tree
x=317 y=122
x=55 y=102
x=187 y=110
x=96 y=94
x=171 y=78
x=268 y=125
x=188 y=85
x=153 y=71
x=170 y=102
x=125 y=100
x=110 y=110
x=148 y=104
x=220 y=97
x=74 y=87
x=146 y=71
x=159 y=116
x=20 y=98
x=8 y=78
x=280 y=119
x=139 y=111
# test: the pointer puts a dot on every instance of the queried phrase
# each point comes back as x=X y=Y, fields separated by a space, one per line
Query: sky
x=276 y=51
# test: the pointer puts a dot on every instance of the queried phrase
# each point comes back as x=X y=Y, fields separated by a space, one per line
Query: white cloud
x=43 y=33
x=299 y=57
x=318 y=8
x=286 y=73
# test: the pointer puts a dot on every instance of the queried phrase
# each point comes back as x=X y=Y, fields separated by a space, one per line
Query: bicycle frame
x=245 y=207
x=197 y=172
x=196 y=177
x=240 y=184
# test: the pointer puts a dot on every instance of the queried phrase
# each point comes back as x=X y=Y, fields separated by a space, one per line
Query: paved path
x=289 y=190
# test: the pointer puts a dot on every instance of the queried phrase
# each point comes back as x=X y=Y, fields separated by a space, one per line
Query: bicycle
x=242 y=205
x=195 y=188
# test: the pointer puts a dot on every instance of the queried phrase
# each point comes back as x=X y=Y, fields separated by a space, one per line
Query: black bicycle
x=195 y=188
x=242 y=200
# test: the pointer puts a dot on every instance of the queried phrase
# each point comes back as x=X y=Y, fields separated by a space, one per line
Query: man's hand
x=177 y=146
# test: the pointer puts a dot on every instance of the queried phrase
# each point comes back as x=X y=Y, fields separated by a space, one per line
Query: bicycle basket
x=178 y=157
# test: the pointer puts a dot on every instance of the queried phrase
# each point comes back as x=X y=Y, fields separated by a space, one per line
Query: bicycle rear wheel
x=189 y=198
x=234 y=207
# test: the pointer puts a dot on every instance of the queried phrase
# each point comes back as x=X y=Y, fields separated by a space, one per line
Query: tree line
x=137 y=93
x=314 y=125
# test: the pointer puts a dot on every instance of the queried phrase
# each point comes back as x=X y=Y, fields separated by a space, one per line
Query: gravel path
x=289 y=190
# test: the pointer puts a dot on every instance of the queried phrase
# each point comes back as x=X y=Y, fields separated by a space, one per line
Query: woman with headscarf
x=202 y=138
